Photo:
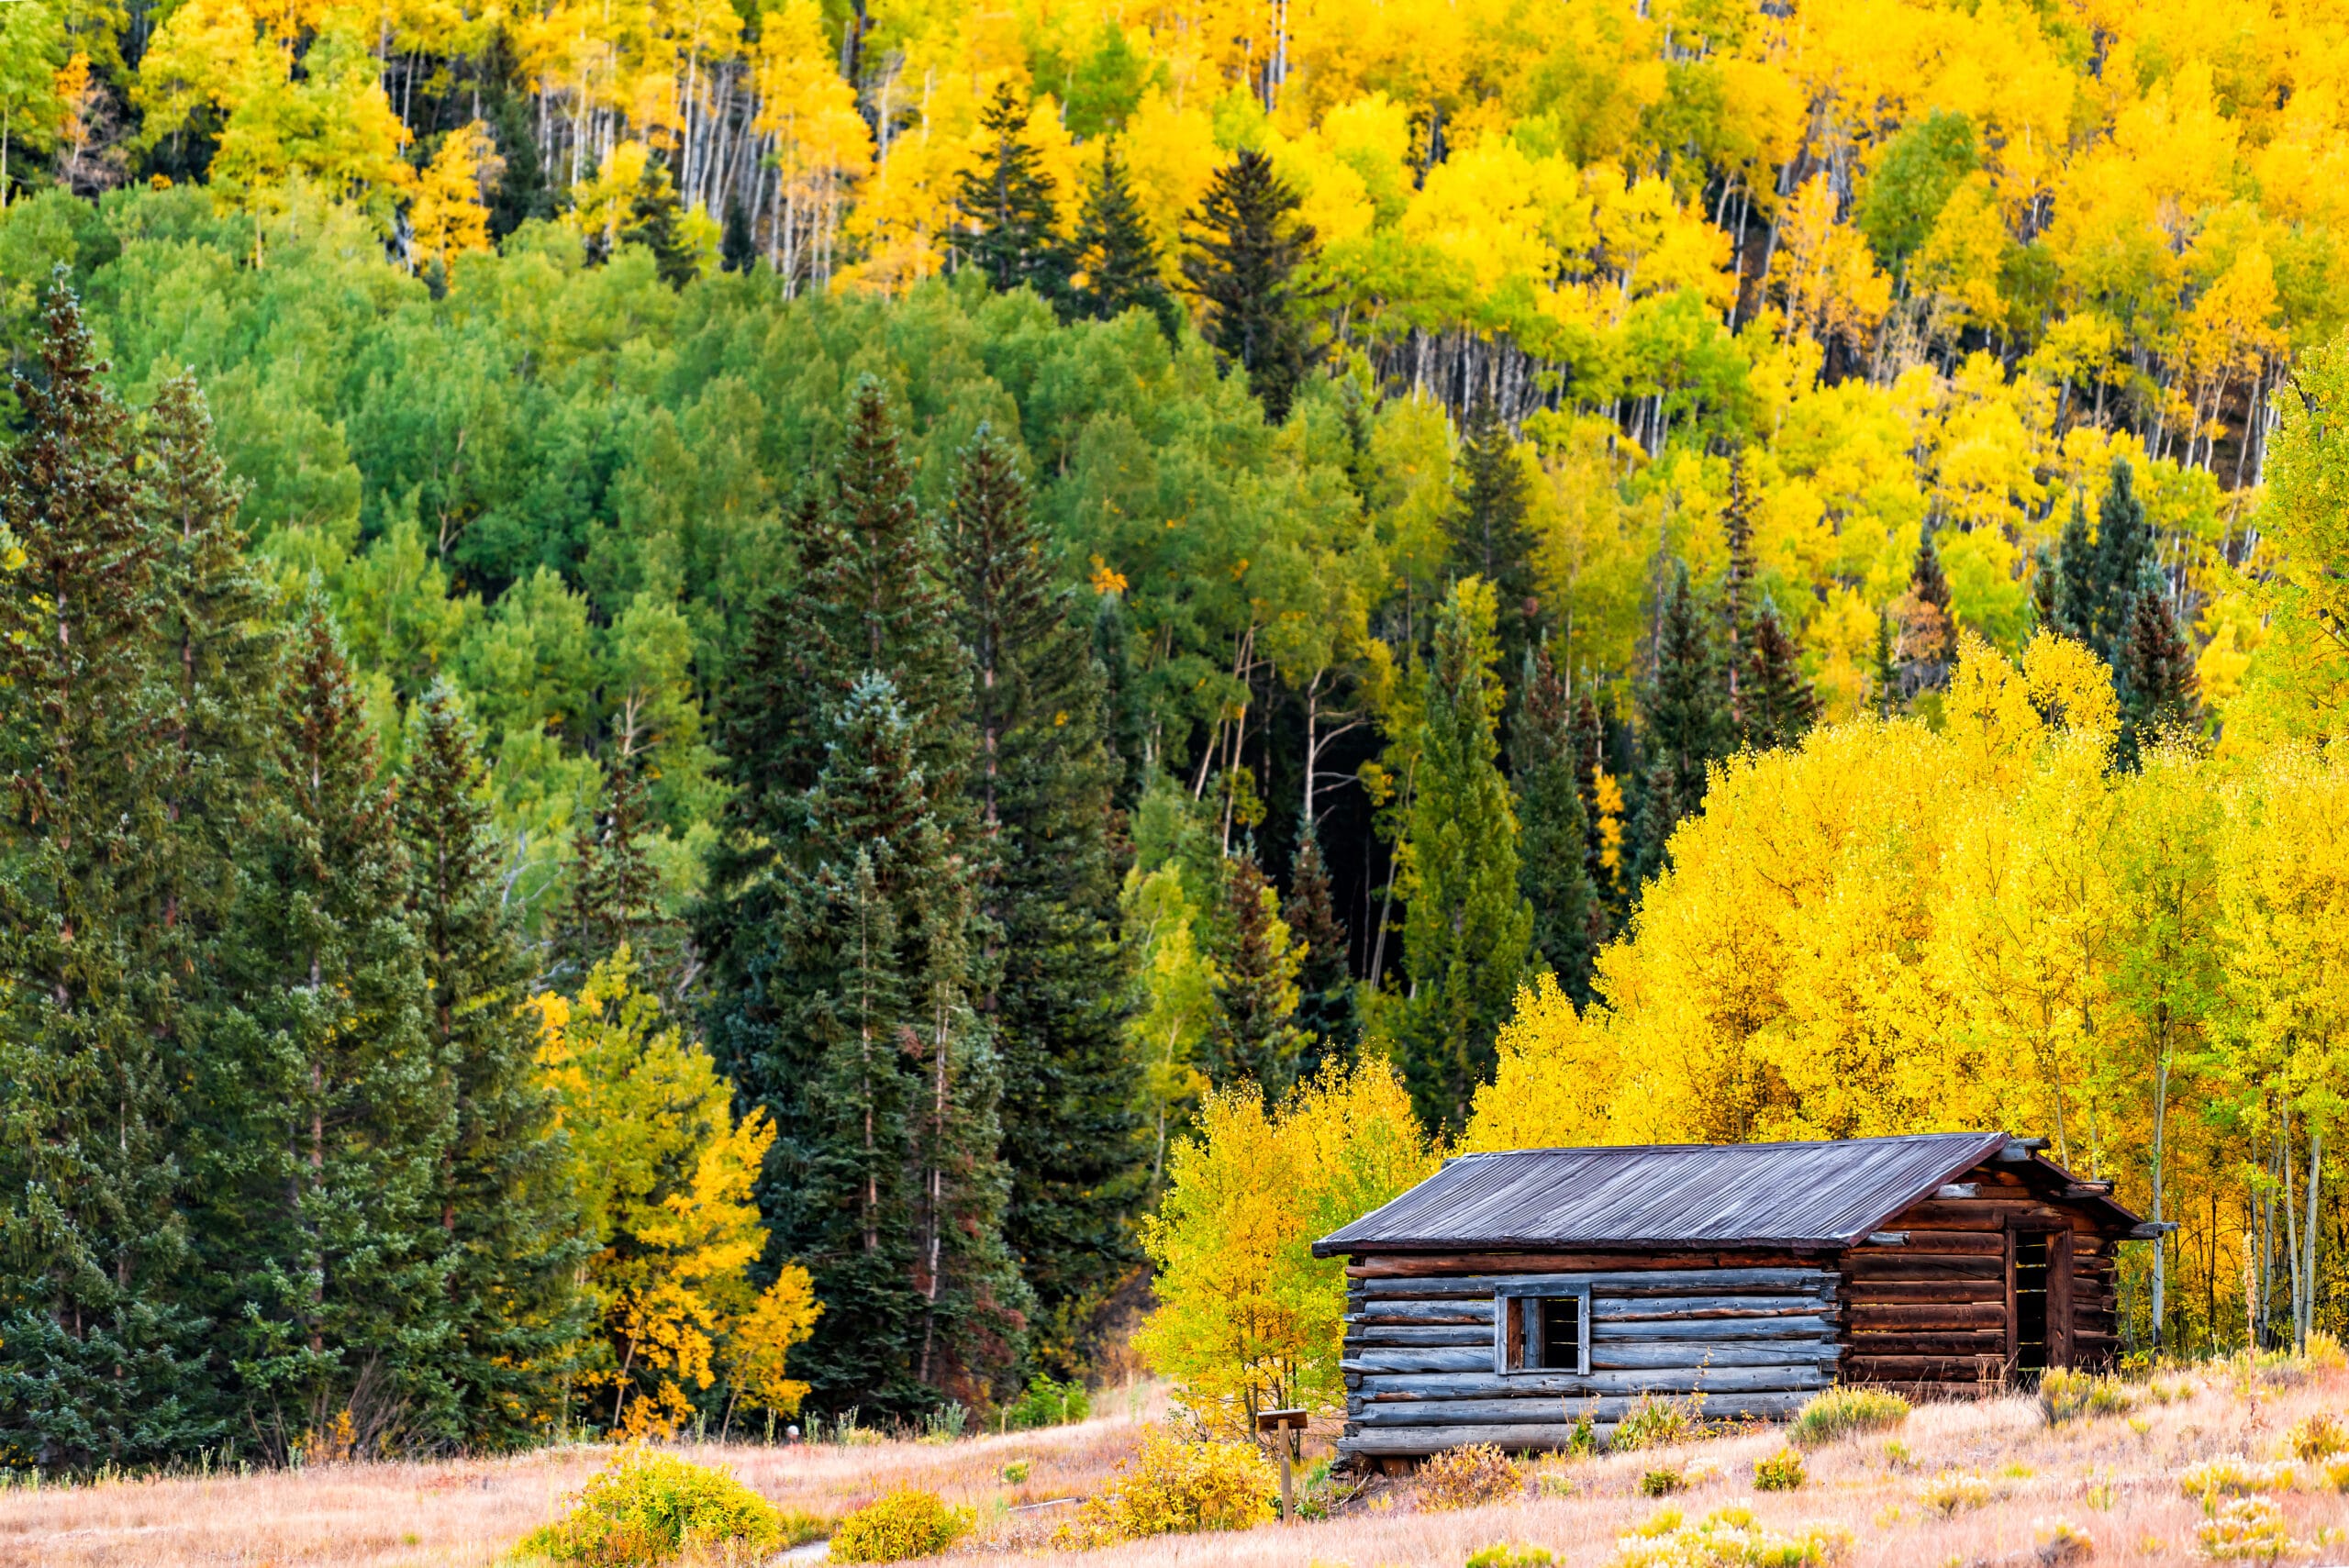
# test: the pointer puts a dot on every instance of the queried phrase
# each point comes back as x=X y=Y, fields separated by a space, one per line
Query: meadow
x=1974 y=1484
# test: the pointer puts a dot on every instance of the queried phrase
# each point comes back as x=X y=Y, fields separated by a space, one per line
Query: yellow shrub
x=1952 y=1492
x=1727 y=1538
x=2069 y=1396
x=905 y=1523
x=1171 y=1487
x=1467 y=1477
x=1780 y=1472
x=2248 y=1526
x=2318 y=1437
x=2232 y=1477
x=644 y=1508
x=2324 y=1352
x=1653 y=1422
x=1845 y=1412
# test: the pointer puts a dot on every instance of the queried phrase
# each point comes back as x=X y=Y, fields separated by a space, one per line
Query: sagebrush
x=1172 y=1487
x=647 y=1508
x=905 y=1523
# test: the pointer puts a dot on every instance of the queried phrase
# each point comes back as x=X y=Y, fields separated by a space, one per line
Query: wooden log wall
x=1757 y=1333
x=1930 y=1315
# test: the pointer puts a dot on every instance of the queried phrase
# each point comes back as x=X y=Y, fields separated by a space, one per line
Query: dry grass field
x=2114 y=1479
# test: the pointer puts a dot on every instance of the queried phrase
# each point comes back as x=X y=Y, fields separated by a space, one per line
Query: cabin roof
x=1819 y=1195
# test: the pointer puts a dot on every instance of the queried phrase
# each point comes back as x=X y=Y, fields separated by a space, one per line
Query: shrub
x=2324 y=1352
x=1172 y=1487
x=1952 y=1492
x=2060 y=1543
x=1846 y=1412
x=2318 y=1437
x=1727 y=1538
x=2232 y=1477
x=1512 y=1557
x=1468 y=1477
x=645 y=1509
x=1015 y=1473
x=2336 y=1474
x=1044 y=1403
x=2247 y=1527
x=1780 y=1472
x=1652 y=1422
x=1663 y=1483
x=2067 y=1395
x=905 y=1523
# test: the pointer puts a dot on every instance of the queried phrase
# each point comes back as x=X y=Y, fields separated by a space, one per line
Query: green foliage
x=1503 y=1556
x=1727 y=1538
x=1247 y=250
x=1686 y=723
x=1044 y=1403
x=1912 y=179
x=646 y=1509
x=905 y=1523
x=1844 y=1412
x=1663 y=1482
x=1117 y=252
x=1654 y=1421
x=2065 y=1396
x=1780 y=1472
x=1009 y=205
x=1171 y=1487
x=1546 y=776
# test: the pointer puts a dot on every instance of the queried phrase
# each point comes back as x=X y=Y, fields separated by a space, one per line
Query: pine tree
x=2160 y=688
x=1491 y=535
x=2070 y=595
x=1779 y=705
x=736 y=251
x=616 y=898
x=100 y=1355
x=1117 y=255
x=1887 y=672
x=1052 y=973
x=1468 y=932
x=1011 y=210
x=1602 y=859
x=1685 y=724
x=1737 y=589
x=503 y=1194
x=2123 y=554
x=1254 y=1037
x=1245 y=254
x=1545 y=773
x=324 y=1238
x=1928 y=632
x=1325 y=1008
x=656 y=221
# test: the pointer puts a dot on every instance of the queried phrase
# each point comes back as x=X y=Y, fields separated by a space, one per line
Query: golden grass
x=2115 y=1478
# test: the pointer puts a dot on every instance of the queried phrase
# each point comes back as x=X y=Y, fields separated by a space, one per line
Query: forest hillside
x=723 y=708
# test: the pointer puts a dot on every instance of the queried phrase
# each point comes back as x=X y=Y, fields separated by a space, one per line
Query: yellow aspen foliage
x=663 y=1173
x=822 y=146
x=1554 y=1082
x=1823 y=275
x=446 y=217
x=1248 y=1319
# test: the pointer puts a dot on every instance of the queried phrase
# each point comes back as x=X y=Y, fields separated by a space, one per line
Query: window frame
x=1512 y=1331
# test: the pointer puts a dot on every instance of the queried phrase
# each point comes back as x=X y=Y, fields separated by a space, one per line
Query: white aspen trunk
x=2291 y=1227
x=2316 y=1178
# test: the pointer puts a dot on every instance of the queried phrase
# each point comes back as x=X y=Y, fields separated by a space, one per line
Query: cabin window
x=1543 y=1328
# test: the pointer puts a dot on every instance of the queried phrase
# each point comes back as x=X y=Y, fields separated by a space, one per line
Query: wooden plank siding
x=1756 y=1335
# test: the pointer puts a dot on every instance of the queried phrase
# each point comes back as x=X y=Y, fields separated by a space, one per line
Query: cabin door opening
x=2038 y=1302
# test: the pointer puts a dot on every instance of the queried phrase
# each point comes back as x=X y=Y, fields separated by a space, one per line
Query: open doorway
x=2038 y=1302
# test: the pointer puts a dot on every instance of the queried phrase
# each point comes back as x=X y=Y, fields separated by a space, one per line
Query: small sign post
x=1287 y=1424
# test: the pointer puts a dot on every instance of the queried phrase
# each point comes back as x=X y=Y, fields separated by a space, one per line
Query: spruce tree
x=1685 y=724
x=1469 y=931
x=1325 y=1008
x=615 y=897
x=736 y=251
x=1780 y=706
x=1887 y=672
x=656 y=221
x=1590 y=731
x=1491 y=535
x=100 y=1355
x=1254 y=1037
x=1051 y=972
x=504 y=1198
x=1246 y=250
x=1117 y=255
x=2070 y=595
x=1928 y=631
x=2160 y=689
x=1554 y=847
x=2123 y=555
x=1737 y=589
x=323 y=1237
x=1011 y=210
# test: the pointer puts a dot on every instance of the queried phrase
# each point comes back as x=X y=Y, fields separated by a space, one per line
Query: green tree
x=1928 y=629
x=32 y=45
x=2159 y=687
x=616 y=895
x=1912 y=179
x=1779 y=705
x=1325 y=1008
x=1117 y=253
x=1053 y=978
x=1545 y=776
x=506 y=1207
x=1010 y=209
x=100 y=1359
x=1247 y=248
x=1469 y=931
x=656 y=221
x=1492 y=534
x=2124 y=556
x=1254 y=1037
x=1685 y=725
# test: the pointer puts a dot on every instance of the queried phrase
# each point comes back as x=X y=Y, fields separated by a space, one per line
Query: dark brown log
x=1982 y=1214
x=1866 y=1315
x=1728 y=1330
x=1945 y=1344
x=1936 y=1369
x=1928 y=1391
x=1889 y=1266
x=1979 y=1288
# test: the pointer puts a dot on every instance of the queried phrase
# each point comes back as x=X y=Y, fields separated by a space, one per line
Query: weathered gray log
x=1418 y=1361
x=1382 y=1388
x=1396 y=1336
x=1653 y=1282
x=1433 y=1440
x=1558 y=1412
x=1632 y=1355
x=1474 y=1311
x=1723 y=1329
x=1608 y=1308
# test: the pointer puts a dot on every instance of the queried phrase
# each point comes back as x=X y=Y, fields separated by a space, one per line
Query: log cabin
x=1513 y=1294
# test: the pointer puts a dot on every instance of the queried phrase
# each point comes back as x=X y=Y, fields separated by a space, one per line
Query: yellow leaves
x=756 y=1352
x=448 y=215
x=1823 y=273
x=2000 y=716
x=1554 y=1080
x=1958 y=265
x=1103 y=580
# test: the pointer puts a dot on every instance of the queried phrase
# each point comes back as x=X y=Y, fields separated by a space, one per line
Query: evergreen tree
x=1118 y=253
x=1887 y=672
x=1737 y=589
x=521 y=193
x=616 y=896
x=1467 y=932
x=1601 y=859
x=1052 y=973
x=2160 y=689
x=1010 y=208
x=1545 y=773
x=736 y=251
x=2124 y=553
x=323 y=1235
x=1245 y=254
x=1325 y=1008
x=2069 y=594
x=100 y=1358
x=503 y=1195
x=1928 y=632
x=1254 y=1037
x=1491 y=535
x=656 y=221
x=1685 y=724
x=1779 y=705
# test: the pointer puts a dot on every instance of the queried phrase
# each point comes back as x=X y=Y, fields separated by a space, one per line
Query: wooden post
x=1286 y=1425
